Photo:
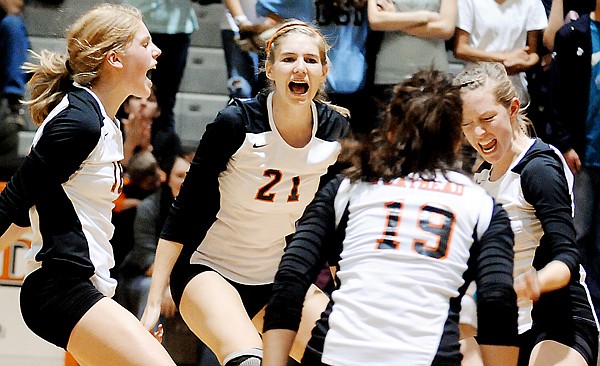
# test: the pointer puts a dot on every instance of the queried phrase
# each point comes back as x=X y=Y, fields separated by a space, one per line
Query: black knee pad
x=251 y=357
x=245 y=361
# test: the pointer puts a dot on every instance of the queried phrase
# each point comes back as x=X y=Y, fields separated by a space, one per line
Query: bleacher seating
x=203 y=90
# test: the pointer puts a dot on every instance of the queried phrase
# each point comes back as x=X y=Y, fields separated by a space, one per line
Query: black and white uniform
x=65 y=189
x=405 y=251
x=247 y=187
x=537 y=194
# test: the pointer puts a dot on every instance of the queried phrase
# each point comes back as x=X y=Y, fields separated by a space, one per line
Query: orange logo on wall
x=13 y=263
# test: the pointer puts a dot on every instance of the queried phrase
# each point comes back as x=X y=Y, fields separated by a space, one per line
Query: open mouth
x=488 y=146
x=149 y=72
x=298 y=87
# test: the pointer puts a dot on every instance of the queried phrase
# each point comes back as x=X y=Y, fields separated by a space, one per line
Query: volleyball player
x=256 y=168
x=67 y=184
x=408 y=234
x=557 y=325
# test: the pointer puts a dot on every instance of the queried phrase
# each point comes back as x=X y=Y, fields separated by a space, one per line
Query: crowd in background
x=549 y=50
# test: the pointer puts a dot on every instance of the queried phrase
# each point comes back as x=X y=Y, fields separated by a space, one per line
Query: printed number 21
x=432 y=220
x=263 y=192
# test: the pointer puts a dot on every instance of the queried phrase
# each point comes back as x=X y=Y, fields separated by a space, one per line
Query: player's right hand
x=150 y=316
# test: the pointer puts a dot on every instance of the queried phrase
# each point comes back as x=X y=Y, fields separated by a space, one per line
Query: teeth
x=487 y=146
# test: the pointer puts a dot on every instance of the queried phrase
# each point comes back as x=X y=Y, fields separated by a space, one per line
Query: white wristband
x=240 y=19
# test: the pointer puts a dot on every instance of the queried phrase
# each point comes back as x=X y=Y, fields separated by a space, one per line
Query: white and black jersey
x=247 y=187
x=537 y=194
x=66 y=188
x=406 y=251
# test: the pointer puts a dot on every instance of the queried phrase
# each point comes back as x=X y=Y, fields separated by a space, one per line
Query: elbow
x=375 y=23
x=377 y=26
x=447 y=33
x=459 y=52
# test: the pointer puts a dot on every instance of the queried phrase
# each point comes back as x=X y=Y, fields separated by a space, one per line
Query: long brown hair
x=420 y=132
x=108 y=27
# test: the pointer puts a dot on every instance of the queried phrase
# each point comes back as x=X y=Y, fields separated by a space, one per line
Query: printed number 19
x=432 y=220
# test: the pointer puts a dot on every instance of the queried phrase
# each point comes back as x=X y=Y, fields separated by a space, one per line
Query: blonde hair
x=107 y=27
x=479 y=74
x=298 y=27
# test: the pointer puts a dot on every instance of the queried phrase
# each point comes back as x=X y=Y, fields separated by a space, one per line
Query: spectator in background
x=575 y=131
x=14 y=44
x=345 y=24
x=171 y=23
x=501 y=31
x=142 y=170
x=138 y=117
x=413 y=39
x=558 y=12
x=143 y=176
x=241 y=26
x=136 y=269
x=564 y=11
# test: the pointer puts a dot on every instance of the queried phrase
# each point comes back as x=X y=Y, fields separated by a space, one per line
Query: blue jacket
x=570 y=85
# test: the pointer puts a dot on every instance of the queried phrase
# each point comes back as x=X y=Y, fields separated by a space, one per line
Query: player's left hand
x=527 y=286
x=159 y=333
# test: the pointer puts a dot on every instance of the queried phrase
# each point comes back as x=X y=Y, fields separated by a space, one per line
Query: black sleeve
x=545 y=188
x=197 y=204
x=66 y=142
x=303 y=259
x=496 y=297
x=332 y=127
x=561 y=135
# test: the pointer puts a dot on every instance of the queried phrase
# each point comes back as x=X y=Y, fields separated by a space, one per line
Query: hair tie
x=68 y=67
x=281 y=30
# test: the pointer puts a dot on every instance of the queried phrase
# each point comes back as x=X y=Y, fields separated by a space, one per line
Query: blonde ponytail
x=46 y=84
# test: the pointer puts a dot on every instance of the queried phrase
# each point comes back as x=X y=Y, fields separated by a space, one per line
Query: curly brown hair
x=420 y=133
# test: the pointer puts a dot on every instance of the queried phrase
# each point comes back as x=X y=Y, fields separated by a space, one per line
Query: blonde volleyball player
x=67 y=184
x=531 y=180
x=256 y=168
